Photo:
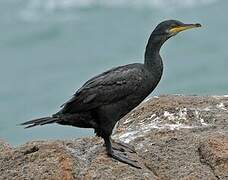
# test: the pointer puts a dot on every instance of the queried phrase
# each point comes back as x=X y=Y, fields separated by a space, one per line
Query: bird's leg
x=117 y=155
x=123 y=147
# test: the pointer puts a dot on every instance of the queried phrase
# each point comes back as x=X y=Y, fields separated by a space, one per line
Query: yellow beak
x=184 y=27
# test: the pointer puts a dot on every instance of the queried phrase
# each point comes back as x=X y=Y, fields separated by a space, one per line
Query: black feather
x=40 y=121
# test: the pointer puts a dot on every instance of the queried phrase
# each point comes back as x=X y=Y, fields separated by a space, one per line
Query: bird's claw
x=121 y=146
x=124 y=159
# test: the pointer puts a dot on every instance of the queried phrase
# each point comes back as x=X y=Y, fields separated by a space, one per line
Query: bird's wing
x=106 y=88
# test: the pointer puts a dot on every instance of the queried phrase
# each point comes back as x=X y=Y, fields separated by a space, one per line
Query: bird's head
x=170 y=28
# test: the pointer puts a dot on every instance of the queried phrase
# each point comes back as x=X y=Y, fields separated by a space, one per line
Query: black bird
x=103 y=100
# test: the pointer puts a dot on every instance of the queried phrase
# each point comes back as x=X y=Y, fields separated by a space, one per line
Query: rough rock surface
x=176 y=137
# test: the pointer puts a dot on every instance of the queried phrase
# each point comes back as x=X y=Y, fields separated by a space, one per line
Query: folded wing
x=106 y=88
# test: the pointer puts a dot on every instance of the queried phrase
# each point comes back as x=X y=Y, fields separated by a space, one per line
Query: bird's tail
x=40 y=121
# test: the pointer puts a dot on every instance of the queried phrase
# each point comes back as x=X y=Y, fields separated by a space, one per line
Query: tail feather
x=40 y=121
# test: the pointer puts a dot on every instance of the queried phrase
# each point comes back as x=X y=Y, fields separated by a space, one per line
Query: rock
x=176 y=137
x=214 y=153
x=4 y=146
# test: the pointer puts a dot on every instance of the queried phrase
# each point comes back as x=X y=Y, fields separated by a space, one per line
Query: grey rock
x=4 y=146
x=176 y=137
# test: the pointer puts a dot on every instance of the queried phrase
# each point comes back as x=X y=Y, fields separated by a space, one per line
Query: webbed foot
x=121 y=146
x=118 y=155
x=123 y=158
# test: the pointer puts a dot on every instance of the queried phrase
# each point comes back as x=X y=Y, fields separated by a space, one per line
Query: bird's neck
x=152 y=59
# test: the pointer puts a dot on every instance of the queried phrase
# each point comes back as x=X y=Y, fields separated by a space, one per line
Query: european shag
x=103 y=100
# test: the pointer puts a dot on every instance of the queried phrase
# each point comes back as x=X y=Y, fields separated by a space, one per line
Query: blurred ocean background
x=49 y=48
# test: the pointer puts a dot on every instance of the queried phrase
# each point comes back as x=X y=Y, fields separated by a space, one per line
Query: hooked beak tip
x=198 y=25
